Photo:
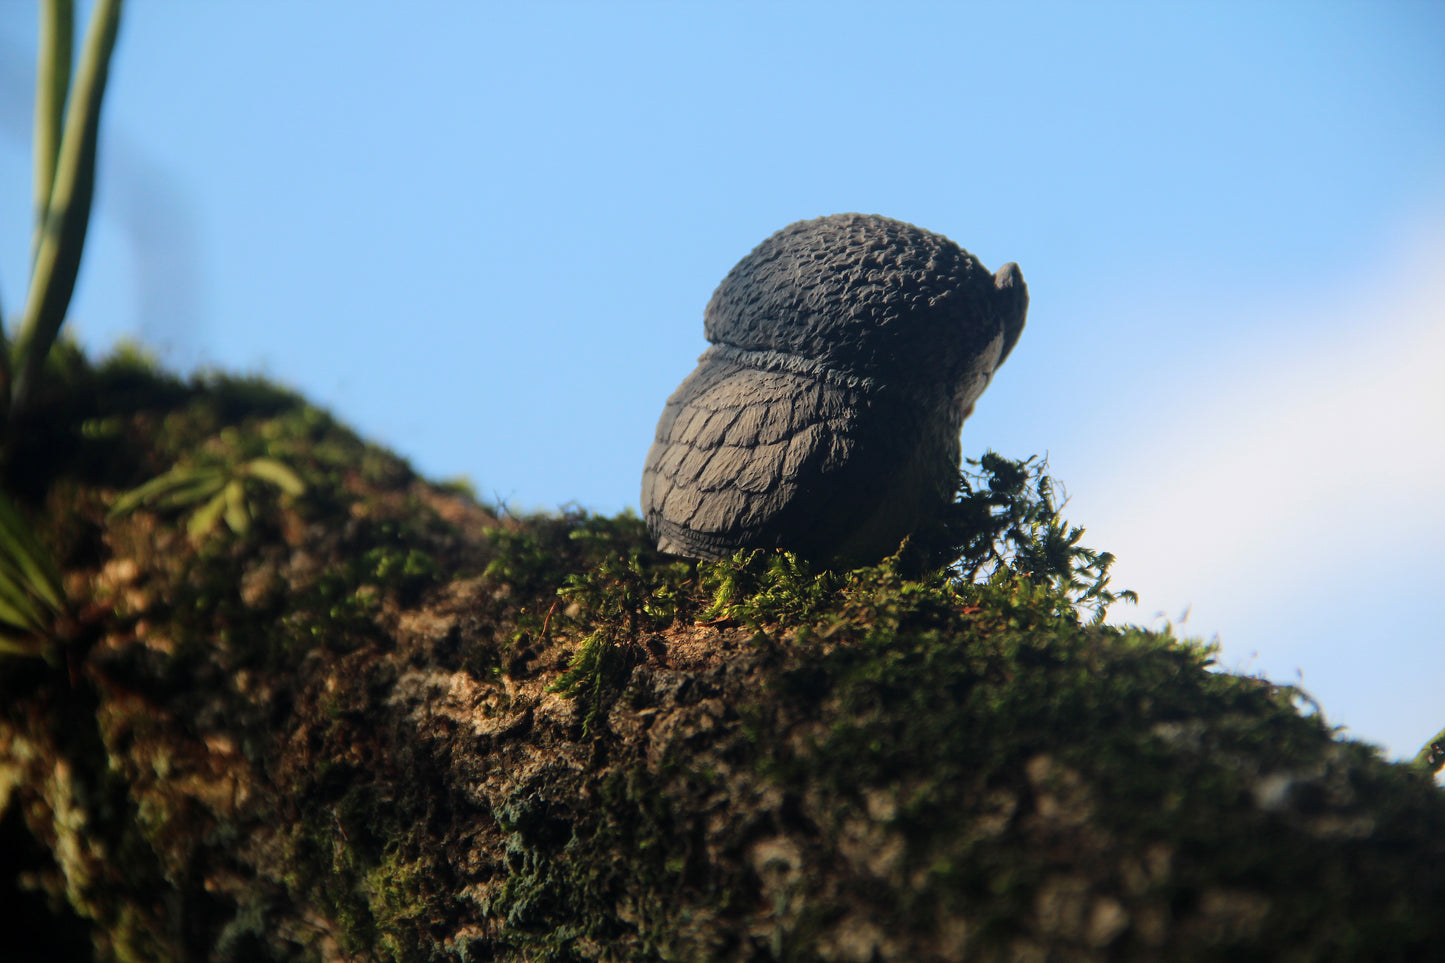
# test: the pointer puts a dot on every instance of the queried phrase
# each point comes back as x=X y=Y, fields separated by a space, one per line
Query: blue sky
x=484 y=234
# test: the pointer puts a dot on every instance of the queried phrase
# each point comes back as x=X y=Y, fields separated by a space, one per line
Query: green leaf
x=25 y=645
x=277 y=474
x=179 y=486
x=192 y=487
x=66 y=215
x=31 y=595
x=21 y=549
x=16 y=608
x=236 y=515
x=222 y=489
x=52 y=85
x=1432 y=757
x=204 y=520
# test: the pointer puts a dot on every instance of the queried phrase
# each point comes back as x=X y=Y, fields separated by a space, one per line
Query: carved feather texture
x=824 y=420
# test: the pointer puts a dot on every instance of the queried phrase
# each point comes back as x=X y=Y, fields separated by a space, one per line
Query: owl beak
x=1013 y=305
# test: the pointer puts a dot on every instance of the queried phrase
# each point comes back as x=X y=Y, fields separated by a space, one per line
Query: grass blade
x=52 y=85
x=30 y=592
x=26 y=645
x=17 y=609
x=23 y=554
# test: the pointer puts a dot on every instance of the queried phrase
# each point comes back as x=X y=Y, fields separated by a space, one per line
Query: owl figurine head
x=825 y=417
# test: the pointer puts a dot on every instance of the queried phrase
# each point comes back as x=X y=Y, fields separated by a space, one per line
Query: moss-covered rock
x=384 y=722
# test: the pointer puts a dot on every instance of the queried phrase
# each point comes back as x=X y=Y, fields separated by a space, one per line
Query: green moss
x=400 y=896
x=351 y=858
x=622 y=598
x=753 y=759
x=959 y=713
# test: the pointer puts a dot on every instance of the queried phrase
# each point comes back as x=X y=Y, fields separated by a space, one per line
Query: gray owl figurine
x=825 y=417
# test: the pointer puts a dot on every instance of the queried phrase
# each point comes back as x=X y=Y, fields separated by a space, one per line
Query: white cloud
x=1310 y=475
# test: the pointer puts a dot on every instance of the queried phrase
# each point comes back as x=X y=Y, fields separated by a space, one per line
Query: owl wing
x=742 y=458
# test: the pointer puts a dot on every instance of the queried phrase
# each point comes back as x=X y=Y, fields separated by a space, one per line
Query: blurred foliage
x=219 y=491
x=1432 y=756
x=31 y=598
x=67 y=126
x=67 y=131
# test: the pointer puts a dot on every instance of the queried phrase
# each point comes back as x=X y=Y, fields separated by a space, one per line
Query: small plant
x=67 y=124
x=756 y=587
x=1005 y=523
x=222 y=490
x=623 y=597
x=32 y=602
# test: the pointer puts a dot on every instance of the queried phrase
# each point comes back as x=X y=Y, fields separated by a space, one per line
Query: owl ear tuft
x=1012 y=305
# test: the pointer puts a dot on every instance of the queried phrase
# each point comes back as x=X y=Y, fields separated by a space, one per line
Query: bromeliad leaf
x=31 y=597
x=205 y=517
x=221 y=493
x=271 y=470
x=67 y=129
x=236 y=515
x=176 y=488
